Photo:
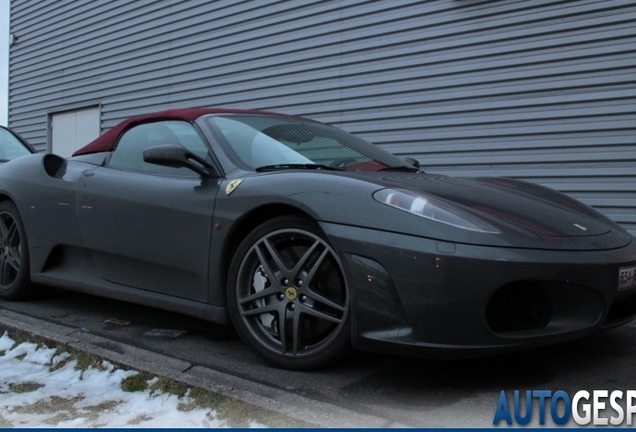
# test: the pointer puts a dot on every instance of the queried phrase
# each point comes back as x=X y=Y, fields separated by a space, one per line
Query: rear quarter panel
x=46 y=203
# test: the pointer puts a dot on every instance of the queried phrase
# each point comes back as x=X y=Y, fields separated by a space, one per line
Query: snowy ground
x=42 y=386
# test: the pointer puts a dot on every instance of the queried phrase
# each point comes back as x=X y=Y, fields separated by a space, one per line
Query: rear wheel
x=15 y=282
x=287 y=295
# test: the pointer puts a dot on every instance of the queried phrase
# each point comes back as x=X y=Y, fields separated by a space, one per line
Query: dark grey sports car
x=311 y=240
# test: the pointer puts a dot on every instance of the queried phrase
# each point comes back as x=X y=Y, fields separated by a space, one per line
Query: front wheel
x=287 y=295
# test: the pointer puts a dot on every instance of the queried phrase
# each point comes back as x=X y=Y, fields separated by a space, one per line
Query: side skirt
x=102 y=288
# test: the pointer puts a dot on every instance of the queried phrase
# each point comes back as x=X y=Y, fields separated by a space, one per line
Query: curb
x=320 y=414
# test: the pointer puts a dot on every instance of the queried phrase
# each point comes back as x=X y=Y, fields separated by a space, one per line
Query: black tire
x=15 y=282
x=286 y=268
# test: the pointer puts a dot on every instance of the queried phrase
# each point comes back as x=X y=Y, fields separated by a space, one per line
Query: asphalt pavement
x=366 y=390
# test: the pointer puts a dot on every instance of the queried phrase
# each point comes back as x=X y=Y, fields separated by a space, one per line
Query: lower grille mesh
x=518 y=307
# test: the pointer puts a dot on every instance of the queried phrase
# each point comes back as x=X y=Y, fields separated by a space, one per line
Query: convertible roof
x=107 y=141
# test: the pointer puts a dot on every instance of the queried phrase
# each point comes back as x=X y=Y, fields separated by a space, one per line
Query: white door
x=73 y=130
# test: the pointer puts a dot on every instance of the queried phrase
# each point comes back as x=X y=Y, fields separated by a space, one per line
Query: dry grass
x=25 y=387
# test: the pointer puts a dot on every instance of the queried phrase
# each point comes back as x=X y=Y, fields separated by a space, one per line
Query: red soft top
x=107 y=141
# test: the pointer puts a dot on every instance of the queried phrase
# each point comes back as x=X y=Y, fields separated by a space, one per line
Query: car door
x=148 y=226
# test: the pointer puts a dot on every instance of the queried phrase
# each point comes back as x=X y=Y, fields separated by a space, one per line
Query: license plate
x=626 y=277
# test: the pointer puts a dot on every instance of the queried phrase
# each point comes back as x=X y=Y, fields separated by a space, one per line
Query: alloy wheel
x=291 y=293
x=10 y=250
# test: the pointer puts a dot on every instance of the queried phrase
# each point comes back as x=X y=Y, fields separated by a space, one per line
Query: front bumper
x=419 y=296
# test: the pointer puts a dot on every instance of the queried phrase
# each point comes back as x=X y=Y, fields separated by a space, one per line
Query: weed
x=54 y=404
x=139 y=419
x=26 y=387
x=166 y=385
x=135 y=383
x=234 y=412
x=60 y=351
x=86 y=360
x=204 y=398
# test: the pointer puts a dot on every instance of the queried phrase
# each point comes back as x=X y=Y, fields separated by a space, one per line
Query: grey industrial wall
x=539 y=90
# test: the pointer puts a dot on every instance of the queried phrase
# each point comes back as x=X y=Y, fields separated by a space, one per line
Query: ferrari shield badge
x=231 y=186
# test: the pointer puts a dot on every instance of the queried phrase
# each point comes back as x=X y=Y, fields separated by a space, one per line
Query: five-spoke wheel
x=14 y=257
x=287 y=294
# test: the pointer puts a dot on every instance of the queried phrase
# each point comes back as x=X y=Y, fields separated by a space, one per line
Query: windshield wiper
x=403 y=168
x=277 y=167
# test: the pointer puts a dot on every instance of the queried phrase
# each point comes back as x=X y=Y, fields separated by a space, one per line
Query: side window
x=128 y=154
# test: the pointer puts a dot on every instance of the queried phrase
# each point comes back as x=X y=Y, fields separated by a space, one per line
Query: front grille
x=518 y=307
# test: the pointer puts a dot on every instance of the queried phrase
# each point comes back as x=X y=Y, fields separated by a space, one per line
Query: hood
x=528 y=215
x=523 y=204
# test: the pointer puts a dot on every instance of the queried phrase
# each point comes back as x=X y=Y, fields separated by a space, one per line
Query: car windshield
x=10 y=146
x=268 y=142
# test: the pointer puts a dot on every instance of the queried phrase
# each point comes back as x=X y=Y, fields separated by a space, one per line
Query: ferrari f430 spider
x=310 y=240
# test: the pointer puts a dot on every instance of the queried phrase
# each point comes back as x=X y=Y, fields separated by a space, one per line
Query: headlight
x=434 y=209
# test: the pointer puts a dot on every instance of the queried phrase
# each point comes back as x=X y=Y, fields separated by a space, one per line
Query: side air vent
x=54 y=165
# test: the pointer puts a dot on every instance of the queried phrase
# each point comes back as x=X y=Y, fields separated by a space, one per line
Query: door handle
x=88 y=173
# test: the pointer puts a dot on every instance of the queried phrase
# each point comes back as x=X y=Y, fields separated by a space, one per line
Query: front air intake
x=519 y=307
x=623 y=309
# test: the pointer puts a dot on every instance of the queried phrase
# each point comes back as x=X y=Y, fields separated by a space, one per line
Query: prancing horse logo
x=291 y=293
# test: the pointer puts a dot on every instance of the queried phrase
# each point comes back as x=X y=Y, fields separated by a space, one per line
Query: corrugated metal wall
x=539 y=90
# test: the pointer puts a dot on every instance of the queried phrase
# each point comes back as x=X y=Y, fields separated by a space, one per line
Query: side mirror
x=177 y=156
x=412 y=162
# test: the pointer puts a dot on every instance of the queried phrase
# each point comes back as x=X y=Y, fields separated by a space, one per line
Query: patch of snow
x=6 y=343
x=92 y=397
